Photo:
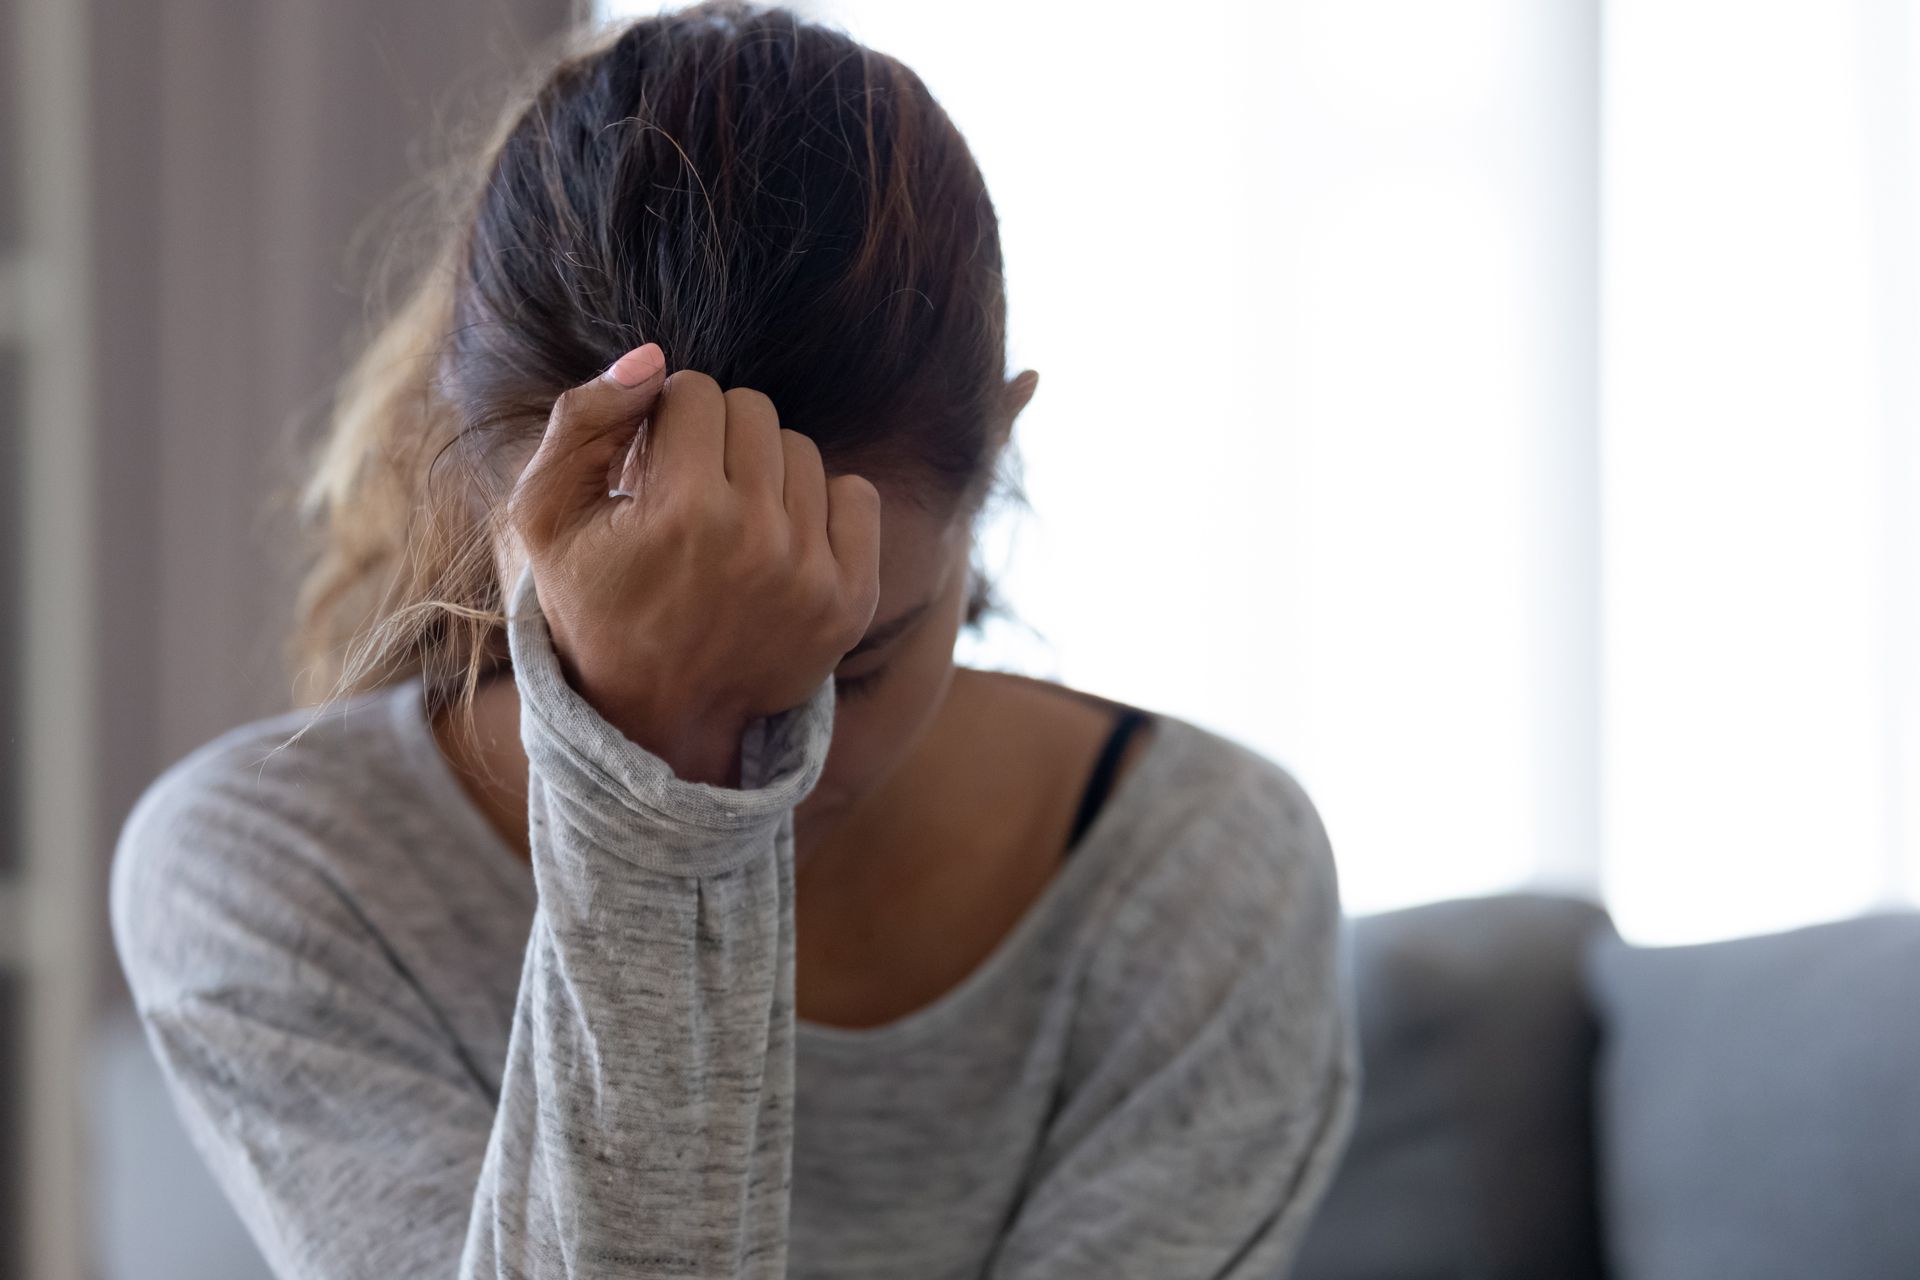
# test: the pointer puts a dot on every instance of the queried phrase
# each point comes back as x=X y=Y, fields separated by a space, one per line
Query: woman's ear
x=1019 y=390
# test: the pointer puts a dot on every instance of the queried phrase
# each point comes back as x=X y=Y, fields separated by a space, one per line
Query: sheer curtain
x=1760 y=467
x=1500 y=414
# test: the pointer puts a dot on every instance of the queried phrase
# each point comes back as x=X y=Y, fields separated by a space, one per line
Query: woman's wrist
x=699 y=744
x=698 y=754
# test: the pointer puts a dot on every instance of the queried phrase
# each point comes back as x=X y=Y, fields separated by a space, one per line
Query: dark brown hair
x=773 y=203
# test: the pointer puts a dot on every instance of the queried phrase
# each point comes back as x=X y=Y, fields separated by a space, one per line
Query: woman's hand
x=726 y=588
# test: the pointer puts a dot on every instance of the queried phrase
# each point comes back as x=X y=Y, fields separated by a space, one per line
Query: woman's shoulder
x=252 y=828
x=1211 y=770
x=1190 y=791
x=1219 y=922
x=300 y=764
x=1222 y=835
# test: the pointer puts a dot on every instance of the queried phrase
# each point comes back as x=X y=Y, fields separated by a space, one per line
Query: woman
x=657 y=898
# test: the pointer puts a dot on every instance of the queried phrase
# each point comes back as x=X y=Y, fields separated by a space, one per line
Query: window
x=1502 y=417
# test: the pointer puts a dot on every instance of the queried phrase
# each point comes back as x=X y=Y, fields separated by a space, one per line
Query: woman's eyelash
x=856 y=686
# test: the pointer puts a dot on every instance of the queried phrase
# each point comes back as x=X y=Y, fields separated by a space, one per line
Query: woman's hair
x=773 y=203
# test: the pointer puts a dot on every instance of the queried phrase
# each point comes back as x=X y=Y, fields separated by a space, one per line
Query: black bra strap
x=1097 y=786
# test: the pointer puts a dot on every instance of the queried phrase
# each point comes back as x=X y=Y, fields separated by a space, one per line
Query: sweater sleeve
x=1213 y=1074
x=645 y=1116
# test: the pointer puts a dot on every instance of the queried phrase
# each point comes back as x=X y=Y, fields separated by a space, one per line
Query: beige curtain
x=193 y=175
x=238 y=149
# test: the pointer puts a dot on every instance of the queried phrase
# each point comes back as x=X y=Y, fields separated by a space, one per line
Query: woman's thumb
x=589 y=431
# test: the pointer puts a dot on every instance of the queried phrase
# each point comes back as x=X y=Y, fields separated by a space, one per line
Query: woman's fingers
x=688 y=436
x=630 y=472
x=837 y=517
x=736 y=582
x=803 y=485
x=756 y=463
x=588 y=432
x=853 y=527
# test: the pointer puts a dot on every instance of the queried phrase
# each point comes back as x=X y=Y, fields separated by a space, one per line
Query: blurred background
x=1542 y=488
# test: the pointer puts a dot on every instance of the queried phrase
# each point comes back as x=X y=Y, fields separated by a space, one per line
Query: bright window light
x=1504 y=419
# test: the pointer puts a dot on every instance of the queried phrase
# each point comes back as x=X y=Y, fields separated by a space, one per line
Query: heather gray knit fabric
x=404 y=1055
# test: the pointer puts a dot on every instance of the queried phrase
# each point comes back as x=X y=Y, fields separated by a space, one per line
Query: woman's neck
x=492 y=765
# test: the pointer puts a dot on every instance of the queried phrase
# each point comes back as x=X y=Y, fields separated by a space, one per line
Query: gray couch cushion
x=1759 y=1104
x=1472 y=1155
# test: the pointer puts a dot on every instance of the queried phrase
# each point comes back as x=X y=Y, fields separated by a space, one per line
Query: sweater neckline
x=1124 y=806
x=1074 y=879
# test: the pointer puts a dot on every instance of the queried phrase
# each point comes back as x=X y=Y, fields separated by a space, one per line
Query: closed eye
x=857 y=686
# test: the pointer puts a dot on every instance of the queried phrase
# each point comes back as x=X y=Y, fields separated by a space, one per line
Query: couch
x=1541 y=1100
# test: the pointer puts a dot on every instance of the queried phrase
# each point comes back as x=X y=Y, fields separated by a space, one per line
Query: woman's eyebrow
x=882 y=633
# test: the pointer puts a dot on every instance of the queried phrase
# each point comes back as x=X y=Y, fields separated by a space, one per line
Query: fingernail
x=635 y=367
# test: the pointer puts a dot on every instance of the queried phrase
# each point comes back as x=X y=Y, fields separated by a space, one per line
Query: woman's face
x=889 y=689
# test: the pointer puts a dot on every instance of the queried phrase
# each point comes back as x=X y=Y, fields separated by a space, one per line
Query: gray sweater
x=405 y=1055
